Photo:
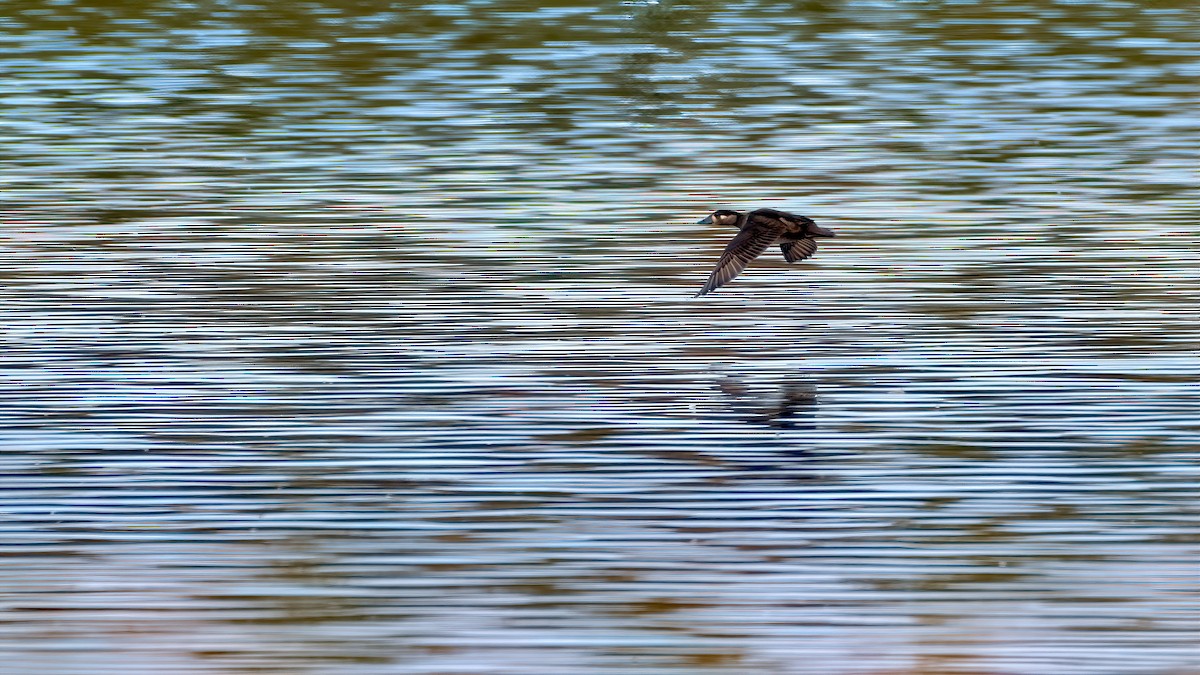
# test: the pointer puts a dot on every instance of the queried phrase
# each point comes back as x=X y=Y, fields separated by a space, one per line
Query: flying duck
x=796 y=236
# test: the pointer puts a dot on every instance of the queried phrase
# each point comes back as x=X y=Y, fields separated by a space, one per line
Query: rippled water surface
x=358 y=337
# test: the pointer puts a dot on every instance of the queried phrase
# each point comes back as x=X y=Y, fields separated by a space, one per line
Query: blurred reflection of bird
x=793 y=406
x=796 y=236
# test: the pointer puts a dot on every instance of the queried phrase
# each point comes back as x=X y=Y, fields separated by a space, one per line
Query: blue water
x=359 y=338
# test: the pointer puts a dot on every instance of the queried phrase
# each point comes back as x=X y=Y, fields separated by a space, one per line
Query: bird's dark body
x=796 y=236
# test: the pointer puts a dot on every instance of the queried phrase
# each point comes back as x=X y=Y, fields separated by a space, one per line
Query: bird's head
x=722 y=217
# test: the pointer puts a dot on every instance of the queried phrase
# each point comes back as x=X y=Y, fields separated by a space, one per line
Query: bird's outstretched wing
x=756 y=235
x=795 y=251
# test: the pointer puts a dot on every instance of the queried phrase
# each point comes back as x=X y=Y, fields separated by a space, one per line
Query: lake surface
x=358 y=337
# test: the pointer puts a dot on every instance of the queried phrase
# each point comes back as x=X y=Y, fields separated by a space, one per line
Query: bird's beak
x=819 y=231
x=707 y=221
